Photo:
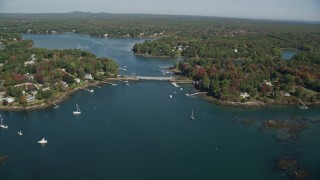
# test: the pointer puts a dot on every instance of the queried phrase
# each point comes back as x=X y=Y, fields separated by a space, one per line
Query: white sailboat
x=20 y=133
x=77 y=111
x=192 y=116
x=2 y=125
x=43 y=141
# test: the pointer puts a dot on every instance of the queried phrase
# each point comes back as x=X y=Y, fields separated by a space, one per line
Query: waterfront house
x=244 y=95
x=88 y=76
x=30 y=87
x=77 y=80
x=9 y=99
x=64 y=84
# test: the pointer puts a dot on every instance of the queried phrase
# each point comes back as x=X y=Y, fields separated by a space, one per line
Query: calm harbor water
x=138 y=132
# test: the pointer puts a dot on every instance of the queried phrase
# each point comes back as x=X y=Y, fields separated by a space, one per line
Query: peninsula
x=34 y=78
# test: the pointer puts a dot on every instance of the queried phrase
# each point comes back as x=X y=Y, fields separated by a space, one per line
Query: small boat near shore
x=43 y=141
x=2 y=125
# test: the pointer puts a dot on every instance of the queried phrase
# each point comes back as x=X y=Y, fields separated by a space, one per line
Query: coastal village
x=46 y=76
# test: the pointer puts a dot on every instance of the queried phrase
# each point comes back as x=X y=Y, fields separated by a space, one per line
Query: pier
x=54 y=104
x=197 y=93
x=89 y=90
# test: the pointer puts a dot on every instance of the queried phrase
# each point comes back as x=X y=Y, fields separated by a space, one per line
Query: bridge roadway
x=155 y=78
x=145 y=78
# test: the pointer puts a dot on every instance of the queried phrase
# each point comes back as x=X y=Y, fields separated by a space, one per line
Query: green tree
x=205 y=82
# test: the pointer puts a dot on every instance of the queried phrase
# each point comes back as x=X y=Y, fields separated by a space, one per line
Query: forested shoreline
x=34 y=77
x=232 y=59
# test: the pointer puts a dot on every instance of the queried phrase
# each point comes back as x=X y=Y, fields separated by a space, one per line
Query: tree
x=23 y=100
x=205 y=82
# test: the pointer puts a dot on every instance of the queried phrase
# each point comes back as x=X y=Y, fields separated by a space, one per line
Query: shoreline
x=249 y=104
x=65 y=96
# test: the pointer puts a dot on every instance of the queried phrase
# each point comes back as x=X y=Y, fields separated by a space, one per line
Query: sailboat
x=77 y=111
x=20 y=133
x=2 y=125
x=43 y=141
x=192 y=116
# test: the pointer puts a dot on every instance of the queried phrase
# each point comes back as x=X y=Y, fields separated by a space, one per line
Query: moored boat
x=2 y=125
x=77 y=111
x=43 y=141
x=20 y=133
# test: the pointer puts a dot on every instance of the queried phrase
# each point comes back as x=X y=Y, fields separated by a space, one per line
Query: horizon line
x=193 y=15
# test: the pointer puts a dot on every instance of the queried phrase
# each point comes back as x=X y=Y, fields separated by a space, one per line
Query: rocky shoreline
x=249 y=103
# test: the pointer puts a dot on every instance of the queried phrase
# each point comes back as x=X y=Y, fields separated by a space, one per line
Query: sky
x=305 y=10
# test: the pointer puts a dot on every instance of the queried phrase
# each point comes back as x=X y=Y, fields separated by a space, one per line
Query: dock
x=89 y=90
x=197 y=93
x=113 y=84
x=97 y=86
x=54 y=105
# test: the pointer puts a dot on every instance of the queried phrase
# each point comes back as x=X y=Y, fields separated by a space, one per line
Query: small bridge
x=155 y=78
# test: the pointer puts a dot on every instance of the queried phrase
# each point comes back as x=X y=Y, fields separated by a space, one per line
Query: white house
x=32 y=60
x=9 y=99
x=64 y=84
x=244 y=95
x=287 y=94
x=268 y=83
x=88 y=76
x=77 y=80
x=28 y=62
